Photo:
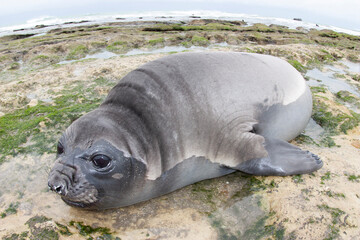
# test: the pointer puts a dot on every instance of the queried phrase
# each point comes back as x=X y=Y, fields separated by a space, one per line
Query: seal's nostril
x=58 y=189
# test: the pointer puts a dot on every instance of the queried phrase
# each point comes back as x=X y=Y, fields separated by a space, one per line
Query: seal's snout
x=60 y=177
x=69 y=182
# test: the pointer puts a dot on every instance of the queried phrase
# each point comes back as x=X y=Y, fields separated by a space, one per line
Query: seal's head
x=94 y=168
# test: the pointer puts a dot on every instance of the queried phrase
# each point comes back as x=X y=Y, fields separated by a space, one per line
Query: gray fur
x=185 y=118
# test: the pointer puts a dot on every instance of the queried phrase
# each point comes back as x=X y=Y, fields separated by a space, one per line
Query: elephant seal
x=181 y=119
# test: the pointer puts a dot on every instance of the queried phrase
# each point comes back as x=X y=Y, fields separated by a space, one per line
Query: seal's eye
x=60 y=148
x=101 y=161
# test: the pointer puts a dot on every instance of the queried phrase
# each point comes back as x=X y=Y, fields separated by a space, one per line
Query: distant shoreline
x=42 y=25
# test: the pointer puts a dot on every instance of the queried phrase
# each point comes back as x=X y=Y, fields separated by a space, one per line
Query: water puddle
x=32 y=96
x=351 y=67
x=327 y=78
x=247 y=215
x=167 y=49
x=99 y=55
x=314 y=130
x=170 y=49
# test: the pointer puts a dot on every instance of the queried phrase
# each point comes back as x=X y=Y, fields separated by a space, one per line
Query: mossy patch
x=297 y=179
x=334 y=124
x=297 y=65
x=21 y=131
x=12 y=209
x=333 y=194
x=44 y=60
x=4 y=58
x=259 y=27
x=334 y=226
x=199 y=41
x=254 y=184
x=77 y=52
x=327 y=141
x=41 y=231
x=14 y=66
x=63 y=230
x=317 y=89
x=356 y=77
x=205 y=192
x=305 y=139
x=157 y=41
x=346 y=96
x=36 y=219
x=118 y=47
x=325 y=177
x=16 y=236
x=88 y=231
x=353 y=178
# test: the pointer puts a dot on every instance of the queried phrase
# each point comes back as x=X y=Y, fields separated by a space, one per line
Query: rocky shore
x=49 y=80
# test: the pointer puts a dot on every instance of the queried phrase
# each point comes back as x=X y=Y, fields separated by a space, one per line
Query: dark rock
x=297 y=19
x=41 y=26
x=82 y=21
x=16 y=36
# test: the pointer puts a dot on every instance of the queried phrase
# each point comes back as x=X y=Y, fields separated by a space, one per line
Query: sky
x=340 y=13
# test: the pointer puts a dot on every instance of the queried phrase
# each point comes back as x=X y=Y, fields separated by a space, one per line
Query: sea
x=41 y=25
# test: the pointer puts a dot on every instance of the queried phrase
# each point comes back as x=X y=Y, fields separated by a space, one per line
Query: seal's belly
x=188 y=171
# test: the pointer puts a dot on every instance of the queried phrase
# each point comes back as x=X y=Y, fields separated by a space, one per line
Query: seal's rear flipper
x=283 y=159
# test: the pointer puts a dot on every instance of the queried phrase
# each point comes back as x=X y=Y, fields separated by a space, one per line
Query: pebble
x=356 y=143
x=33 y=103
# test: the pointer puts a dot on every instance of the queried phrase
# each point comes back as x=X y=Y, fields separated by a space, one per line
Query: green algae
x=254 y=184
x=199 y=41
x=334 y=226
x=346 y=96
x=356 y=77
x=36 y=219
x=333 y=194
x=44 y=60
x=86 y=230
x=77 y=52
x=14 y=66
x=63 y=230
x=39 y=231
x=305 y=139
x=118 y=47
x=333 y=124
x=353 y=178
x=297 y=65
x=325 y=177
x=327 y=141
x=12 y=209
x=16 y=236
x=20 y=131
x=156 y=41
x=297 y=178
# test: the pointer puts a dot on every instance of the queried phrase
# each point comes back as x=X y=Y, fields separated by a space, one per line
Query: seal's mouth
x=77 y=204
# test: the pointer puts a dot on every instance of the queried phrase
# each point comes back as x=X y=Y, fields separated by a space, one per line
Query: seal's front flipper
x=283 y=159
